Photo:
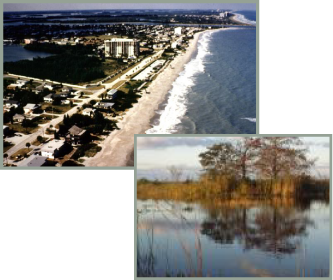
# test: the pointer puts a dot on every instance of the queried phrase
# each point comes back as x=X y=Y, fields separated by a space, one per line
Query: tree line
x=65 y=67
x=266 y=158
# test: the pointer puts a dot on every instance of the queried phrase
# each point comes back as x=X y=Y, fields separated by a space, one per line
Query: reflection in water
x=222 y=239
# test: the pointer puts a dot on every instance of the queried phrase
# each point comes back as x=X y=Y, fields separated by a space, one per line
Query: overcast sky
x=156 y=154
x=97 y=6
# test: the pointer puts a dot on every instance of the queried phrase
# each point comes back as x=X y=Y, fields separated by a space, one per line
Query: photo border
x=110 y=2
x=227 y=135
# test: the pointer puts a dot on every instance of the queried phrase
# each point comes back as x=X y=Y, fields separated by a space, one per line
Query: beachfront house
x=53 y=148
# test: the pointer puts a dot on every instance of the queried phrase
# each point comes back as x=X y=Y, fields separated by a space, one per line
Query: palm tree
x=28 y=145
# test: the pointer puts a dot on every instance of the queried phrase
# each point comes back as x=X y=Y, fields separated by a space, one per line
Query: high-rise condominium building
x=118 y=47
x=178 y=31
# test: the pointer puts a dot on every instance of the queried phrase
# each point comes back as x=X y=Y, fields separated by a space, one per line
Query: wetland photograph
x=233 y=207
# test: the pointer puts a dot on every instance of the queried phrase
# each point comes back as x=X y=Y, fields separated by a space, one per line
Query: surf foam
x=175 y=109
x=243 y=19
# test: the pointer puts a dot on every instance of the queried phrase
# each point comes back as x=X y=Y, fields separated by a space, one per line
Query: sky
x=96 y=6
x=156 y=154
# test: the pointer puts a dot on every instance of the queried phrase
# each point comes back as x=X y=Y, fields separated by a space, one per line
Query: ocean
x=216 y=92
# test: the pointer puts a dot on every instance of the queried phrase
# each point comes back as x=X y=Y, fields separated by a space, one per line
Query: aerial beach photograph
x=81 y=79
x=233 y=206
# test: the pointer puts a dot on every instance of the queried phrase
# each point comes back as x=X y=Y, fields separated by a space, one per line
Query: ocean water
x=18 y=52
x=216 y=92
x=249 y=17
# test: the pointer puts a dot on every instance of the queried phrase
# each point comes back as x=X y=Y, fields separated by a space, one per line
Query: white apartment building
x=178 y=31
x=118 y=47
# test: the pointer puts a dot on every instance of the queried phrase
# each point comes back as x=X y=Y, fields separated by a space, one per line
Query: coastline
x=117 y=148
x=233 y=18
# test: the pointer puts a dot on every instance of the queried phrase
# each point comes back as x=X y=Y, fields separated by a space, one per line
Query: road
x=126 y=76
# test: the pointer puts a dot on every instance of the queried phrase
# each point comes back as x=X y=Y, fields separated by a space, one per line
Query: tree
x=27 y=145
x=175 y=172
x=5 y=156
x=219 y=159
x=282 y=156
x=246 y=152
x=39 y=139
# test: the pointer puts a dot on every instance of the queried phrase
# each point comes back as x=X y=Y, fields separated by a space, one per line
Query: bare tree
x=175 y=172
x=282 y=156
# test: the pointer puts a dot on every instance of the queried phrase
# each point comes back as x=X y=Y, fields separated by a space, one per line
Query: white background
x=80 y=224
x=296 y=67
x=67 y=225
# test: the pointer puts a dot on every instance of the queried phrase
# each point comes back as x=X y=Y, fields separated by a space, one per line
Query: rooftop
x=52 y=145
x=36 y=161
x=75 y=130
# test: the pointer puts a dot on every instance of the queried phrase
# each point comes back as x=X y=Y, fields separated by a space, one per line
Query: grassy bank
x=232 y=189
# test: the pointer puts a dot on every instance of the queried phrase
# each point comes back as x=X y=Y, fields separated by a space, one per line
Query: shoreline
x=117 y=148
x=233 y=18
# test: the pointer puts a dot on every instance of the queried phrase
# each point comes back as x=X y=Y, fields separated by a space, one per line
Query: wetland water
x=229 y=239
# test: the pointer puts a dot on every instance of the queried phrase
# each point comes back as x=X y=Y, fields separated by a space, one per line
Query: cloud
x=321 y=143
x=164 y=142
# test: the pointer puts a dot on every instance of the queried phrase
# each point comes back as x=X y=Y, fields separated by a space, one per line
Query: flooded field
x=211 y=238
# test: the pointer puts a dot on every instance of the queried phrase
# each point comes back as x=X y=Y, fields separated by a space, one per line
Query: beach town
x=67 y=119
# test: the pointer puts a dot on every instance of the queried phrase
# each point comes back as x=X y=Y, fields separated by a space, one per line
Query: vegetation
x=65 y=67
x=86 y=150
x=20 y=153
x=96 y=125
x=254 y=167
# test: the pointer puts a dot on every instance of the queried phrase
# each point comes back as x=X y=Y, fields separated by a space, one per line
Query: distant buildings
x=118 y=47
x=178 y=31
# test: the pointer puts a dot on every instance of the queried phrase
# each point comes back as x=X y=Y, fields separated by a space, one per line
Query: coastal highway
x=126 y=76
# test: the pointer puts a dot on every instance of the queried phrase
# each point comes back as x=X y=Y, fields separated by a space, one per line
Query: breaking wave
x=250 y=119
x=243 y=19
x=176 y=107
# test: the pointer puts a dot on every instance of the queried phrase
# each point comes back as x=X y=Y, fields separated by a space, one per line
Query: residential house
x=11 y=104
x=29 y=108
x=12 y=86
x=67 y=89
x=48 y=98
x=112 y=93
x=104 y=105
x=53 y=148
x=65 y=101
x=88 y=112
x=49 y=86
x=35 y=161
x=18 y=118
x=77 y=135
x=39 y=88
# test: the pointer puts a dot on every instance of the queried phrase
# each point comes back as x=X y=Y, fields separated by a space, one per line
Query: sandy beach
x=117 y=149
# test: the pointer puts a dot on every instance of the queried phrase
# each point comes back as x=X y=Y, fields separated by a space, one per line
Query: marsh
x=221 y=238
